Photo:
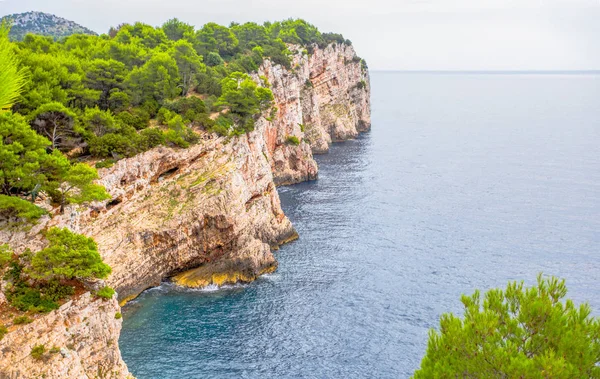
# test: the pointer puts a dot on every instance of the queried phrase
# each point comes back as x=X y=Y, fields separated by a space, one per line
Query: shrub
x=179 y=134
x=152 y=137
x=54 y=350
x=118 y=315
x=293 y=140
x=5 y=255
x=30 y=299
x=23 y=297
x=38 y=352
x=136 y=118
x=213 y=59
x=106 y=293
x=516 y=333
x=222 y=125
x=56 y=291
x=3 y=331
x=22 y=320
x=190 y=107
x=114 y=143
x=12 y=207
x=68 y=256
x=163 y=116
x=106 y=163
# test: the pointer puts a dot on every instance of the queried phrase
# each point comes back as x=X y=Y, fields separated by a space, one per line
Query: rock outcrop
x=80 y=340
x=202 y=215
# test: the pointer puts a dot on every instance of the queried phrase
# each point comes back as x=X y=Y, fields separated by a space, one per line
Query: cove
x=465 y=182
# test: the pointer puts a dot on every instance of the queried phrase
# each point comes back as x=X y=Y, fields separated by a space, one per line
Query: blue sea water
x=465 y=182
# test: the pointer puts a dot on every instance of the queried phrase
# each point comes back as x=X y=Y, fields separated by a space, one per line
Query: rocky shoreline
x=208 y=214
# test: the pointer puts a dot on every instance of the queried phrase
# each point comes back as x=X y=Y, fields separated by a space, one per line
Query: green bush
x=164 y=115
x=136 y=118
x=30 y=299
x=5 y=255
x=293 y=140
x=68 y=256
x=55 y=291
x=106 y=293
x=54 y=350
x=516 y=333
x=114 y=143
x=118 y=316
x=152 y=137
x=106 y=163
x=3 y=331
x=12 y=207
x=22 y=320
x=38 y=352
x=179 y=134
x=191 y=108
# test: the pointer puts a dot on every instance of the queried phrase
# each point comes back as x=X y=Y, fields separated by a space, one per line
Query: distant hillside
x=44 y=24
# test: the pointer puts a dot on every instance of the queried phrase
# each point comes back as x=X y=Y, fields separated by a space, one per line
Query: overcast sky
x=391 y=35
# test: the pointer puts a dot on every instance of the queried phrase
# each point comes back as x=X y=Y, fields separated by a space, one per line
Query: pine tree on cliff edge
x=516 y=333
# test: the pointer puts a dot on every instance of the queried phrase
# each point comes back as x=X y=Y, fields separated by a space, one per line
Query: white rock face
x=325 y=97
x=206 y=214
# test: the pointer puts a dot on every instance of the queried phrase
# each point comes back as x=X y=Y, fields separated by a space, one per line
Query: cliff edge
x=208 y=214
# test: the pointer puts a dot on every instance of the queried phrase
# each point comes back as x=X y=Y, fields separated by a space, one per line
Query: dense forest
x=124 y=92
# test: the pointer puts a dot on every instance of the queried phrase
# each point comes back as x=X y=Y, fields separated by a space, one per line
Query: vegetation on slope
x=37 y=282
x=114 y=96
x=516 y=333
x=119 y=94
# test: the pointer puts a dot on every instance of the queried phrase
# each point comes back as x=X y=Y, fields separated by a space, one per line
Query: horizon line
x=539 y=72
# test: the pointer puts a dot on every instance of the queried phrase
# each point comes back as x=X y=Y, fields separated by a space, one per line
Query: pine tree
x=12 y=78
x=516 y=333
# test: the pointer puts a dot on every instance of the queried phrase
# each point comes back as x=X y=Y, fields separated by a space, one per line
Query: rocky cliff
x=203 y=215
x=80 y=340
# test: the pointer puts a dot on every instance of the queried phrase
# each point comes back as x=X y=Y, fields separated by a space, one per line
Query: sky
x=390 y=35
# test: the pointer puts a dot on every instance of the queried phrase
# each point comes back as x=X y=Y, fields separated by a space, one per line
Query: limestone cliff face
x=84 y=334
x=207 y=214
x=325 y=97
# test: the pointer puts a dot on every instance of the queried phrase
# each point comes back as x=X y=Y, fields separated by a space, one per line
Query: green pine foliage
x=516 y=333
x=38 y=282
x=69 y=256
x=293 y=140
x=106 y=293
x=21 y=320
x=17 y=210
x=38 y=351
x=12 y=78
x=5 y=255
x=136 y=70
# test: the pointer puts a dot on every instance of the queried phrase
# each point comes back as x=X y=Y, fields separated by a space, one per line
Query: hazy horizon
x=405 y=35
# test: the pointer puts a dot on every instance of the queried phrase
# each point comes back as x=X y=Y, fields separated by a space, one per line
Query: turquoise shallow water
x=465 y=182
